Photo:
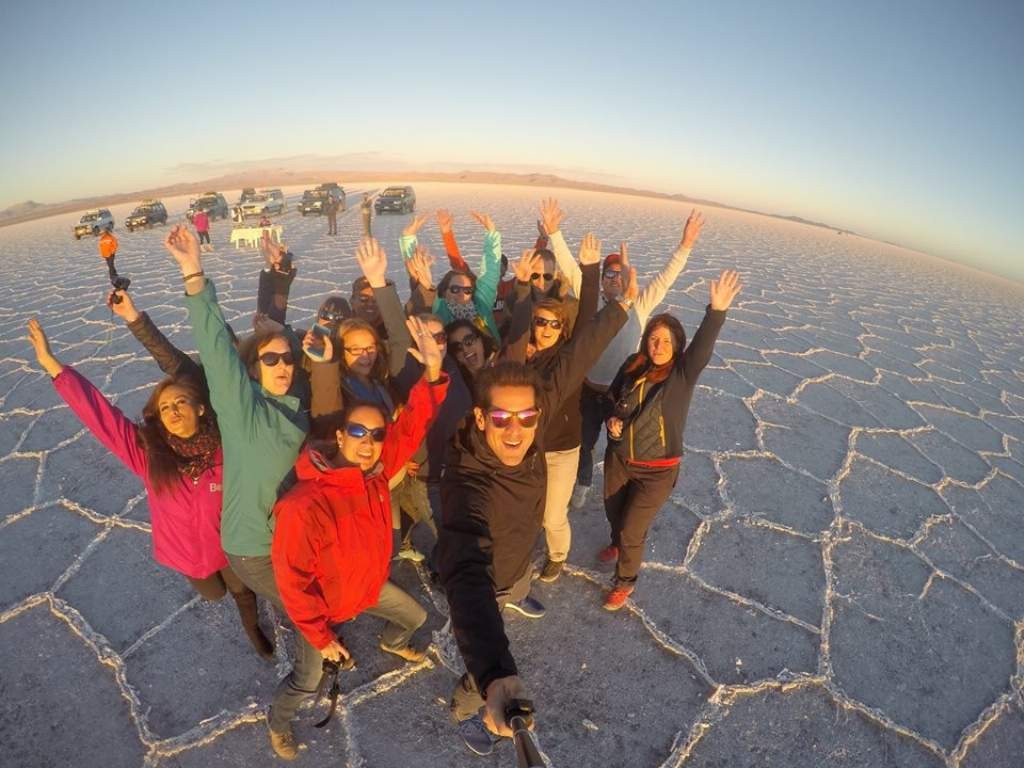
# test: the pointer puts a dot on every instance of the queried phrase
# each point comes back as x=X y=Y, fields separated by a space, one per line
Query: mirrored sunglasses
x=541 y=322
x=527 y=418
x=358 y=431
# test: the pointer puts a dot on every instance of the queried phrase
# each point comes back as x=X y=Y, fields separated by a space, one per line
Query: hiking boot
x=579 y=496
x=617 y=597
x=284 y=745
x=408 y=553
x=551 y=571
x=609 y=554
x=407 y=652
x=529 y=607
x=475 y=734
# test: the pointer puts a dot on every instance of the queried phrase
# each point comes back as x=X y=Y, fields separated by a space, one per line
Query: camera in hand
x=120 y=284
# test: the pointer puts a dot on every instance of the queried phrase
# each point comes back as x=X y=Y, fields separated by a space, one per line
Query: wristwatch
x=627 y=304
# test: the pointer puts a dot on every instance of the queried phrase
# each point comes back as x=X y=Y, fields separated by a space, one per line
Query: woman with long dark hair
x=651 y=395
x=176 y=451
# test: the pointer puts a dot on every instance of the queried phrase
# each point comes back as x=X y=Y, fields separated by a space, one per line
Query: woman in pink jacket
x=176 y=451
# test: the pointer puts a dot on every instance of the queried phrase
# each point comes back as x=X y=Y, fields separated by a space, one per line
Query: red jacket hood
x=312 y=465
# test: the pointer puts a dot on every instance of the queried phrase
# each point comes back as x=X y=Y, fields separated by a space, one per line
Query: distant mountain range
x=280 y=177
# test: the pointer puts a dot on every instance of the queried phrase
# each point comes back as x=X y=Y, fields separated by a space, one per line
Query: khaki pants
x=562 y=467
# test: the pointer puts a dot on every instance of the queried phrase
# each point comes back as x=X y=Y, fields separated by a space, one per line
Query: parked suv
x=264 y=203
x=93 y=222
x=396 y=199
x=335 y=190
x=146 y=214
x=313 y=201
x=214 y=203
x=247 y=194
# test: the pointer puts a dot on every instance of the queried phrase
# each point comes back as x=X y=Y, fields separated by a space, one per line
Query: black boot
x=249 y=613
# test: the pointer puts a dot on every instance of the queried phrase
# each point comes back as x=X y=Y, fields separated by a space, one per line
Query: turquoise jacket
x=261 y=433
x=486 y=281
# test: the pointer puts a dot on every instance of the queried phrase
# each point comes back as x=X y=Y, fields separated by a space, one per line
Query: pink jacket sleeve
x=106 y=422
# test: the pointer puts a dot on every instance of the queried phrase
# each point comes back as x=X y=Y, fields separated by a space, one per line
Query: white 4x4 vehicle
x=264 y=203
x=93 y=222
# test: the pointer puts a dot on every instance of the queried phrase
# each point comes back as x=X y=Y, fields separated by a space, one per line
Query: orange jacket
x=108 y=244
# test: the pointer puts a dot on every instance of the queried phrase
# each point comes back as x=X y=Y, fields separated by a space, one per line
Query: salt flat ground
x=837 y=581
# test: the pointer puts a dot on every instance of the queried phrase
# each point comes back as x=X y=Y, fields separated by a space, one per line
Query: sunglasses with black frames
x=358 y=431
x=271 y=359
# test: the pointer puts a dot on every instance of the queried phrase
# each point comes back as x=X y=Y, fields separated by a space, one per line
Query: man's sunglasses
x=501 y=419
x=548 y=277
x=358 y=431
x=612 y=274
x=465 y=342
x=541 y=322
x=457 y=289
x=271 y=359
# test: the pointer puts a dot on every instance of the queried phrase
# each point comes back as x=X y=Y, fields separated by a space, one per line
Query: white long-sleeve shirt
x=627 y=341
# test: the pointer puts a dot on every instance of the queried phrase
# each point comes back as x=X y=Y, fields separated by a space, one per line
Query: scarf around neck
x=195 y=454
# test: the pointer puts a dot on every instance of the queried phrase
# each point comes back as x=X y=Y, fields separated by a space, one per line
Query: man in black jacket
x=493 y=494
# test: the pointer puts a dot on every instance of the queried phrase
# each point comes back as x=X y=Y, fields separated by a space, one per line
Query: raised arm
x=551 y=220
x=275 y=280
x=231 y=391
x=407 y=242
x=490 y=271
x=579 y=354
x=374 y=264
x=451 y=248
x=654 y=293
x=514 y=346
x=698 y=353
x=106 y=422
x=171 y=360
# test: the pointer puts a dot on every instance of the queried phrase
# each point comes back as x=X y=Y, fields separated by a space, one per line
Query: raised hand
x=373 y=261
x=444 y=221
x=691 y=231
x=41 y=346
x=264 y=324
x=184 y=249
x=419 y=265
x=125 y=308
x=590 y=250
x=484 y=220
x=426 y=351
x=312 y=340
x=414 y=226
x=630 y=289
x=528 y=263
x=270 y=250
x=725 y=289
x=551 y=215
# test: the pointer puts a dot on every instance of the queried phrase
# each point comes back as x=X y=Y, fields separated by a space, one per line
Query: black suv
x=395 y=199
x=313 y=201
x=213 y=203
x=146 y=214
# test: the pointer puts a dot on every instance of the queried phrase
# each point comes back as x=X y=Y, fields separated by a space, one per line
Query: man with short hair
x=493 y=494
x=331 y=206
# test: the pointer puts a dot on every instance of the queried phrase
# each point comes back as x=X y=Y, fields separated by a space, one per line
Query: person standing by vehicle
x=201 y=221
x=176 y=452
x=366 y=211
x=331 y=206
x=263 y=423
x=492 y=495
x=108 y=251
x=593 y=398
x=651 y=395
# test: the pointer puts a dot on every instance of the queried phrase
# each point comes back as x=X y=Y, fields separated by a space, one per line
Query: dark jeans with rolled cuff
x=594 y=412
x=632 y=497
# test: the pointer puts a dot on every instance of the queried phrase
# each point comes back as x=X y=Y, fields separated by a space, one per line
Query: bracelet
x=194 y=275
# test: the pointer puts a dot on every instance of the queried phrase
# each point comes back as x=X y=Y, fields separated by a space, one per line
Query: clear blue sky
x=902 y=120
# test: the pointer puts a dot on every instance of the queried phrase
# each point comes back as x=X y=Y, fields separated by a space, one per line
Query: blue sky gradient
x=902 y=121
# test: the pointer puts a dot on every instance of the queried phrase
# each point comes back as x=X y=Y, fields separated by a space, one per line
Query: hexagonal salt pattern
x=837 y=579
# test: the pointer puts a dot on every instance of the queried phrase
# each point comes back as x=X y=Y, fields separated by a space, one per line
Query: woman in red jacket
x=332 y=538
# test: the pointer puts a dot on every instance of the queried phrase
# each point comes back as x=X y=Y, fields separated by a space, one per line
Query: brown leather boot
x=249 y=613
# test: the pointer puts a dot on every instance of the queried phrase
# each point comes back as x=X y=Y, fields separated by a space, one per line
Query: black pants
x=595 y=409
x=204 y=237
x=632 y=497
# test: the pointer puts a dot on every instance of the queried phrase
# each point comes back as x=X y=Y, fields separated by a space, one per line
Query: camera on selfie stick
x=120 y=284
x=519 y=717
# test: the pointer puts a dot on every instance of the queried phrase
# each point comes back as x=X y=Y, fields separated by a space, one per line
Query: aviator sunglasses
x=501 y=419
x=548 y=277
x=457 y=289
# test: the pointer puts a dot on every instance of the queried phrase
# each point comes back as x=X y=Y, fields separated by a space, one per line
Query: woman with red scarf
x=651 y=395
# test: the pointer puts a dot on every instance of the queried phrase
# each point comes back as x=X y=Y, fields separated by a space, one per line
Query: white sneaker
x=579 y=496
